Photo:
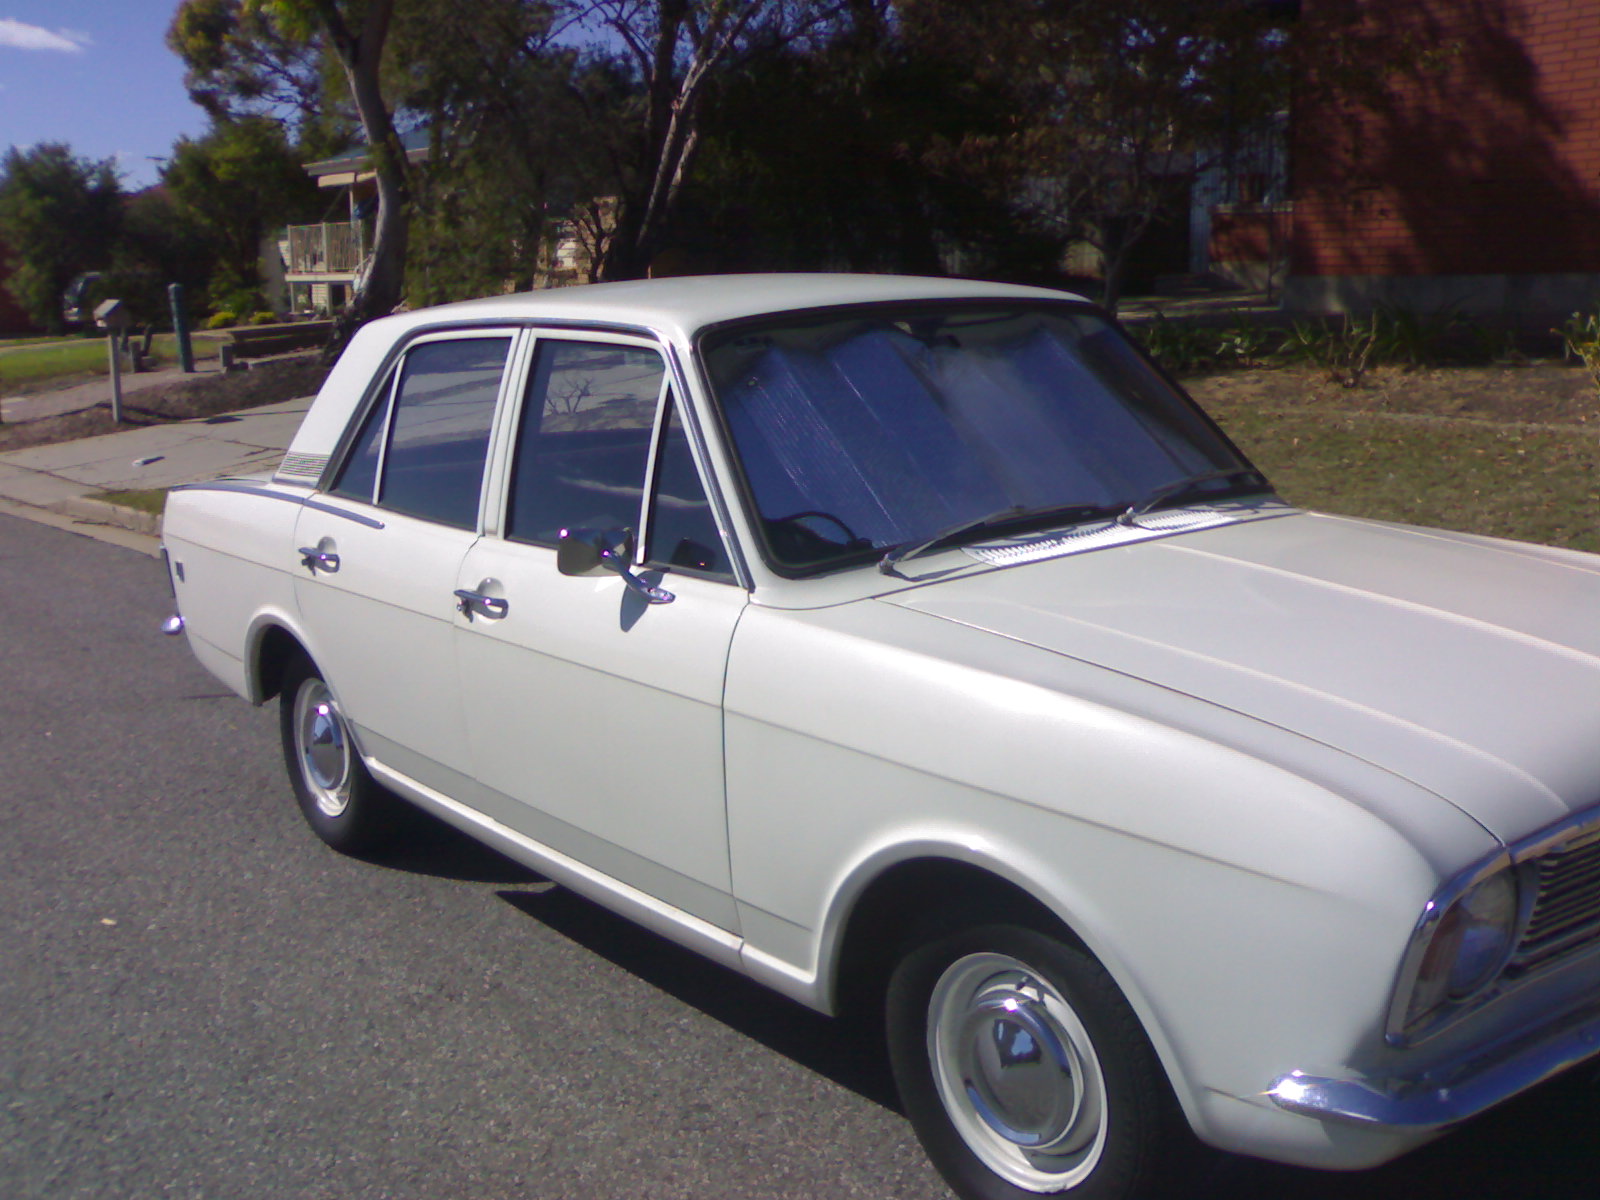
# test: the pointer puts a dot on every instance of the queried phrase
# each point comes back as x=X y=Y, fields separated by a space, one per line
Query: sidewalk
x=57 y=484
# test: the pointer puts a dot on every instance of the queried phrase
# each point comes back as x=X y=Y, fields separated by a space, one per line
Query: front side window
x=584 y=439
x=583 y=456
x=683 y=531
x=860 y=431
x=421 y=450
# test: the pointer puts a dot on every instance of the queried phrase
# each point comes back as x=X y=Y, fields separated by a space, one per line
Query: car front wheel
x=341 y=802
x=1023 y=1069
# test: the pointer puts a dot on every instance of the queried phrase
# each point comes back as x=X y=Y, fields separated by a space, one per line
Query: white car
x=915 y=644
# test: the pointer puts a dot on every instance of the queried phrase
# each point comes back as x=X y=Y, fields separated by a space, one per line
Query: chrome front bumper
x=1454 y=1092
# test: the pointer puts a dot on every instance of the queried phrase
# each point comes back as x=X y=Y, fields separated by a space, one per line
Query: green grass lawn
x=45 y=359
x=149 y=500
x=1528 y=482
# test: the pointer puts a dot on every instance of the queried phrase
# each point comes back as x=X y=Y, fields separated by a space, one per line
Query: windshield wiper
x=1178 y=487
x=1003 y=518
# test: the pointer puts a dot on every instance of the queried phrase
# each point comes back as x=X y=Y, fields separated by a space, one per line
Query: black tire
x=341 y=802
x=1025 y=1072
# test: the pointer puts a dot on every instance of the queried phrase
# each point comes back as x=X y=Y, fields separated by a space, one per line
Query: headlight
x=1464 y=949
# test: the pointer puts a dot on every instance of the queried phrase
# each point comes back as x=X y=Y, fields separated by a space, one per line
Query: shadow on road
x=843 y=1051
x=427 y=846
x=1543 y=1146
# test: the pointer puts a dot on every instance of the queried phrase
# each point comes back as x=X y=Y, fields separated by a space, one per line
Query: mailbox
x=112 y=315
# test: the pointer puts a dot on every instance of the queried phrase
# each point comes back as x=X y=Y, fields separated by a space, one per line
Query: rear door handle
x=318 y=560
x=469 y=602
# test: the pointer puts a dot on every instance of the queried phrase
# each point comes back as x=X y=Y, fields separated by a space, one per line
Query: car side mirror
x=587 y=551
x=594 y=552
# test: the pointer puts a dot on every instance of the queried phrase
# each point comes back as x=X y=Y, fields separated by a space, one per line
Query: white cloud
x=31 y=37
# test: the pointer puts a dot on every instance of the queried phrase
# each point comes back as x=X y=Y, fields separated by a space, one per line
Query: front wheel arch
x=912 y=899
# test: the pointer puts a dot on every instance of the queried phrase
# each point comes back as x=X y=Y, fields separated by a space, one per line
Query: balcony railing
x=326 y=249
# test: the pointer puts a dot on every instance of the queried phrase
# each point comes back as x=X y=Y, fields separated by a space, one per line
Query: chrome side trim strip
x=1443 y=1098
x=334 y=510
x=254 y=489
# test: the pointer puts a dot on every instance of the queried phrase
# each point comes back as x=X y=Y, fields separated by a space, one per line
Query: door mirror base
x=594 y=552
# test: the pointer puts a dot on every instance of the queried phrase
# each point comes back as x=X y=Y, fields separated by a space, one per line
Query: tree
x=159 y=244
x=238 y=183
x=1114 y=107
x=260 y=52
x=675 y=49
x=60 y=215
x=354 y=33
x=497 y=99
x=859 y=179
x=240 y=62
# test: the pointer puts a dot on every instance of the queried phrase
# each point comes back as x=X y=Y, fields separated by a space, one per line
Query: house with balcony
x=321 y=263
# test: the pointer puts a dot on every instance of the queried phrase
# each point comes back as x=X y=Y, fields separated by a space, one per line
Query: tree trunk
x=382 y=284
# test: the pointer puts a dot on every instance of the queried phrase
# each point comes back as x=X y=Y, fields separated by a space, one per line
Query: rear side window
x=422 y=452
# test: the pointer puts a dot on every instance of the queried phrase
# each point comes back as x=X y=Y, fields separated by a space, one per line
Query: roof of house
x=358 y=158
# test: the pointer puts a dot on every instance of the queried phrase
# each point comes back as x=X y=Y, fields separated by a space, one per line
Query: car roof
x=681 y=305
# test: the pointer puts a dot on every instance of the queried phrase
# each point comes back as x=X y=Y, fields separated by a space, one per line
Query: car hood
x=1468 y=666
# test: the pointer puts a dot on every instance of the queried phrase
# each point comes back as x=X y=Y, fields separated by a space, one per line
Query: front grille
x=1566 y=910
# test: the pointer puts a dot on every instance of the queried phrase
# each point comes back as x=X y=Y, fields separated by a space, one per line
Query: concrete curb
x=89 y=526
x=99 y=512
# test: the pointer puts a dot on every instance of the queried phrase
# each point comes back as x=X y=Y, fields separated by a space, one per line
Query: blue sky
x=97 y=75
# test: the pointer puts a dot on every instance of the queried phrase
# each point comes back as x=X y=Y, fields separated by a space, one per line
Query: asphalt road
x=197 y=1000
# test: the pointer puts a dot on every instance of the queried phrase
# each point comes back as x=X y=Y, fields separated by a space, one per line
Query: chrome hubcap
x=323 y=747
x=1017 y=1072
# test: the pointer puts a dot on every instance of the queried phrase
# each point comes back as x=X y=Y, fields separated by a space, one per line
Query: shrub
x=1179 y=348
x=222 y=320
x=1580 y=339
x=1191 y=347
x=264 y=318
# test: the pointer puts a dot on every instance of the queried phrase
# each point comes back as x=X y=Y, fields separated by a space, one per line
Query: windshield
x=859 y=431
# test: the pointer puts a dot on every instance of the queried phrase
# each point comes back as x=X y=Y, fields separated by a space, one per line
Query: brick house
x=1473 y=184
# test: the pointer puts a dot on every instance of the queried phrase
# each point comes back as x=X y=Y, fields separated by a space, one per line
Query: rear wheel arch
x=273 y=648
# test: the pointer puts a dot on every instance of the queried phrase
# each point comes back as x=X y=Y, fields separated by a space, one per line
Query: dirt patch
x=268 y=382
x=1538 y=393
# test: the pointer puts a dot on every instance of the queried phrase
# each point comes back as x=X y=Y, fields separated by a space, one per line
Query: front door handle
x=469 y=602
x=316 y=559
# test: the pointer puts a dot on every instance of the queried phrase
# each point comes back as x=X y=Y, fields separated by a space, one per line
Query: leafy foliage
x=1346 y=349
x=59 y=215
x=241 y=62
x=508 y=133
x=239 y=183
x=1580 y=339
